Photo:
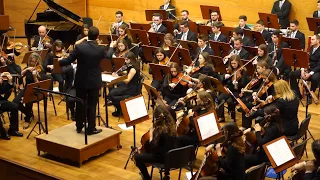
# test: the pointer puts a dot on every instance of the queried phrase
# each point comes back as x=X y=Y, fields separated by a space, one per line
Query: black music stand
x=156 y=39
x=43 y=53
x=138 y=35
x=256 y=37
x=270 y=19
x=132 y=117
x=117 y=62
x=227 y=31
x=3 y=69
x=253 y=51
x=149 y=52
x=219 y=66
x=159 y=71
x=221 y=49
x=191 y=45
x=314 y=24
x=107 y=38
x=149 y=13
x=295 y=58
x=106 y=65
x=169 y=24
x=206 y=11
x=56 y=67
x=293 y=43
x=140 y=26
x=207 y=30
x=181 y=56
x=31 y=95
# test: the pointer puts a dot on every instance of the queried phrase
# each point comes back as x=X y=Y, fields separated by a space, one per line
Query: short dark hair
x=318 y=2
x=217 y=24
x=184 y=23
x=214 y=10
x=238 y=31
x=119 y=12
x=185 y=11
x=261 y=22
x=203 y=37
x=238 y=39
x=158 y=15
x=276 y=33
x=244 y=17
x=296 y=22
x=93 y=33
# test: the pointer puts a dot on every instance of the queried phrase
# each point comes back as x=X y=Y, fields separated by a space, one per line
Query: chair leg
x=54 y=106
x=179 y=174
x=160 y=171
x=67 y=108
x=148 y=102
x=151 y=172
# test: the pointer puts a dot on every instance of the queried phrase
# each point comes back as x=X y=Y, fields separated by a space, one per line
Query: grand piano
x=64 y=24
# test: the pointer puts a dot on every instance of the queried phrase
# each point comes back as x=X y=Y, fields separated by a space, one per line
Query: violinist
x=117 y=48
x=205 y=83
x=42 y=41
x=168 y=41
x=34 y=73
x=170 y=10
x=271 y=130
x=235 y=80
x=84 y=34
x=119 y=21
x=216 y=34
x=6 y=85
x=233 y=163
x=157 y=26
x=203 y=44
x=123 y=34
x=128 y=87
x=263 y=55
x=161 y=58
x=66 y=77
x=204 y=66
x=162 y=139
x=214 y=17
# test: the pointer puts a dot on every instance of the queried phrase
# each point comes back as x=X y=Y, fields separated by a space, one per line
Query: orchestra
x=261 y=93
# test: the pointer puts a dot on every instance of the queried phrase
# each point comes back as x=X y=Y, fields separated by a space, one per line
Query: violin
x=46 y=40
x=264 y=89
x=182 y=79
x=4 y=75
x=17 y=46
x=185 y=99
x=164 y=61
x=262 y=104
x=144 y=141
x=237 y=75
x=183 y=124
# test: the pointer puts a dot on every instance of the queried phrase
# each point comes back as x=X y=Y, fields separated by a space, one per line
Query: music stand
x=207 y=122
x=219 y=66
x=293 y=43
x=156 y=39
x=227 y=31
x=295 y=58
x=149 y=13
x=221 y=49
x=56 y=67
x=191 y=45
x=118 y=62
x=181 y=56
x=256 y=37
x=149 y=52
x=314 y=24
x=3 y=69
x=106 y=65
x=169 y=25
x=281 y=145
x=206 y=11
x=140 y=26
x=203 y=29
x=132 y=117
x=270 y=19
x=253 y=51
x=159 y=71
x=43 y=54
x=107 y=38
x=138 y=36
x=31 y=96
x=249 y=67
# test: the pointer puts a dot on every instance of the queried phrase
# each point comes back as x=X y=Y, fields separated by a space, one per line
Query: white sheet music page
x=108 y=77
x=136 y=108
x=208 y=126
x=280 y=152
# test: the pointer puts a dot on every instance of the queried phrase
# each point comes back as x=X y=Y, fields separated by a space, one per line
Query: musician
x=214 y=17
x=235 y=85
x=162 y=139
x=184 y=17
x=263 y=55
x=238 y=32
x=66 y=77
x=203 y=45
x=186 y=34
x=161 y=58
x=282 y=9
x=272 y=129
x=316 y=14
x=88 y=80
x=128 y=87
x=265 y=33
x=237 y=50
x=157 y=25
x=206 y=84
x=216 y=34
x=34 y=73
x=295 y=33
x=233 y=163
x=40 y=42
x=84 y=34
x=8 y=106
x=119 y=21
x=170 y=10
x=243 y=22
x=117 y=48
x=167 y=42
x=313 y=73
x=204 y=66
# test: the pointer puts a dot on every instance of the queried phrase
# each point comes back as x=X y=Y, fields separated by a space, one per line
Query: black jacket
x=5 y=90
x=267 y=36
x=315 y=14
x=190 y=37
x=302 y=39
x=221 y=38
x=162 y=29
x=283 y=13
x=207 y=49
x=37 y=39
x=172 y=12
x=314 y=60
x=281 y=65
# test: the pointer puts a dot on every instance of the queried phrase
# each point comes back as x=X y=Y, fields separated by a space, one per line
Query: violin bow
x=173 y=54
x=256 y=57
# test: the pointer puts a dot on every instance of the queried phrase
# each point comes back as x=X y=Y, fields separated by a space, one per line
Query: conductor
x=87 y=79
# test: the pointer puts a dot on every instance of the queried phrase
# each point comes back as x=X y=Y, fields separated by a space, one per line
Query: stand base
x=132 y=153
x=41 y=129
x=65 y=142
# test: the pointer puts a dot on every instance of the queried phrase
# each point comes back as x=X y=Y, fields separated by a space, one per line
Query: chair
x=300 y=148
x=257 y=172
x=176 y=158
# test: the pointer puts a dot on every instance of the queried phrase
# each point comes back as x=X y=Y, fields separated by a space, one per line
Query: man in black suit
x=265 y=33
x=316 y=14
x=171 y=10
x=203 y=46
x=185 y=17
x=238 y=32
x=88 y=80
x=295 y=33
x=243 y=22
x=119 y=21
x=216 y=32
x=214 y=17
x=282 y=9
x=237 y=50
x=39 y=43
x=186 y=34
x=157 y=25
x=313 y=73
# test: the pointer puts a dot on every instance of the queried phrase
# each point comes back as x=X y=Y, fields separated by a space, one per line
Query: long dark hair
x=234 y=136
x=85 y=26
x=206 y=100
x=234 y=58
x=208 y=61
x=264 y=48
x=124 y=42
x=206 y=82
x=159 y=50
x=272 y=116
x=173 y=65
x=57 y=43
x=133 y=59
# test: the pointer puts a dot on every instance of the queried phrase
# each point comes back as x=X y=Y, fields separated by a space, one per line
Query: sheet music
x=108 y=77
x=208 y=126
x=280 y=152
x=136 y=108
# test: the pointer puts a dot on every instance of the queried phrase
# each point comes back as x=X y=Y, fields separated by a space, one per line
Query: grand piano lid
x=64 y=12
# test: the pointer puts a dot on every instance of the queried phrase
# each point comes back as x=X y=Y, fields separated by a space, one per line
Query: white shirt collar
x=203 y=48
x=165 y=6
x=217 y=35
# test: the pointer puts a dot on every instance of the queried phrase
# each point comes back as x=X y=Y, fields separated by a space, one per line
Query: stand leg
x=106 y=105
x=99 y=116
x=39 y=123
x=133 y=148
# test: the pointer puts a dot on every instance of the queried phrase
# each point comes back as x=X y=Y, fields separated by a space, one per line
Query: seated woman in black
x=162 y=139
x=83 y=37
x=168 y=42
x=117 y=48
x=162 y=59
x=233 y=163
x=204 y=65
x=128 y=87
x=272 y=130
x=263 y=55
x=123 y=34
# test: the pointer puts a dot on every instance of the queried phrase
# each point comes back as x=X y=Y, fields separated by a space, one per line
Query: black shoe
x=95 y=131
x=116 y=114
x=221 y=120
x=73 y=117
x=5 y=136
x=109 y=102
x=15 y=133
x=79 y=130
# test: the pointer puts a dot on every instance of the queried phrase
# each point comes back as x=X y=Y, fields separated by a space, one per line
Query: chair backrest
x=299 y=149
x=304 y=125
x=141 y=83
x=179 y=157
x=257 y=172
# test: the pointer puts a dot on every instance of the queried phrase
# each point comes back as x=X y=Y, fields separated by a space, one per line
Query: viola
x=242 y=105
x=144 y=141
x=264 y=89
x=182 y=79
x=185 y=99
x=183 y=124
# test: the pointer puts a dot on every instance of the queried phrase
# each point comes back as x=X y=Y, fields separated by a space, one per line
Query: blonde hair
x=283 y=90
x=37 y=57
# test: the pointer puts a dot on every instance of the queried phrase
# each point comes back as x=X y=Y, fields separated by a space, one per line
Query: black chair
x=300 y=148
x=257 y=172
x=176 y=159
